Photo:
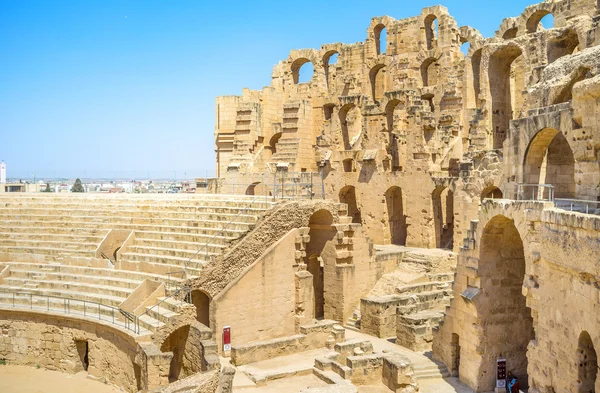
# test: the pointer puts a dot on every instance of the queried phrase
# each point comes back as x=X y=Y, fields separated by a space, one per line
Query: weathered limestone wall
x=33 y=339
x=552 y=258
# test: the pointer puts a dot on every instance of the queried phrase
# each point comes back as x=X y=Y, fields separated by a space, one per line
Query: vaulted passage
x=549 y=160
x=506 y=84
x=351 y=122
x=587 y=364
x=506 y=320
x=443 y=217
x=202 y=302
x=395 y=216
x=321 y=233
x=348 y=196
x=176 y=343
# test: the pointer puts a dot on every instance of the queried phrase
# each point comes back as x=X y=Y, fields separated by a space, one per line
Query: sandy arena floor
x=23 y=379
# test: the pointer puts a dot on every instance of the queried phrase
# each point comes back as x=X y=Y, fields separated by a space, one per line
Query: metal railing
x=187 y=293
x=578 y=205
x=81 y=308
x=530 y=192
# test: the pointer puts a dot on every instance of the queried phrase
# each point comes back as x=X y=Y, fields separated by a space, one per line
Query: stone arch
x=257 y=188
x=587 y=364
x=321 y=232
x=176 y=343
x=378 y=31
x=377 y=77
x=348 y=196
x=443 y=217
x=201 y=300
x=549 y=160
x=328 y=110
x=429 y=75
x=491 y=192
x=511 y=33
x=474 y=80
x=504 y=88
x=562 y=45
x=395 y=112
x=533 y=22
x=326 y=65
x=508 y=324
x=397 y=226
x=431 y=31
x=351 y=123
x=296 y=66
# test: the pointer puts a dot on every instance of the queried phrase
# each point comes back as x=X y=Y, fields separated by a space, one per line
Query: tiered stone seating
x=38 y=232
x=168 y=232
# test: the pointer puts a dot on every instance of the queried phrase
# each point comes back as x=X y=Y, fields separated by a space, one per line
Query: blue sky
x=99 y=88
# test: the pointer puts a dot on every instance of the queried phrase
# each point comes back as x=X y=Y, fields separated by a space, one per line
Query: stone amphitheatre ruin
x=407 y=190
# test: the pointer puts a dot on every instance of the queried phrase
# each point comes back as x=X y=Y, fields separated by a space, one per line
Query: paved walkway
x=293 y=373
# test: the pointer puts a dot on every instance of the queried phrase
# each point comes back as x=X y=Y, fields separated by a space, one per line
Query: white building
x=2 y=173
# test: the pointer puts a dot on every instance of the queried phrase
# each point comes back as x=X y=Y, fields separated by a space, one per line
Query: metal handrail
x=535 y=192
x=571 y=203
x=186 y=291
x=131 y=322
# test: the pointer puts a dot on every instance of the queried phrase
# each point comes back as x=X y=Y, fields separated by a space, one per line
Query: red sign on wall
x=227 y=338
x=501 y=373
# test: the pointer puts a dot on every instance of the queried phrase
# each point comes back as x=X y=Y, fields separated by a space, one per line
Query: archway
x=429 y=72
x=395 y=215
x=476 y=84
x=505 y=82
x=377 y=77
x=348 y=196
x=431 y=31
x=329 y=59
x=351 y=122
x=507 y=322
x=443 y=217
x=176 y=343
x=563 y=45
x=587 y=364
x=321 y=233
x=380 y=38
x=257 y=188
x=397 y=128
x=455 y=348
x=534 y=24
x=491 y=192
x=549 y=160
x=202 y=302
x=348 y=165
x=302 y=71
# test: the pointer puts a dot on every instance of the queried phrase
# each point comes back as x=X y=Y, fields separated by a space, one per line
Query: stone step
x=196 y=263
x=83 y=278
x=204 y=255
x=150 y=323
x=51 y=251
x=422 y=287
x=49 y=244
x=108 y=300
x=71 y=286
x=41 y=237
x=151 y=244
x=215 y=238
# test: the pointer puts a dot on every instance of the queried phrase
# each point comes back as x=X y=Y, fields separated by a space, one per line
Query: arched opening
x=329 y=60
x=257 y=188
x=377 y=77
x=587 y=364
x=506 y=320
x=511 y=33
x=566 y=94
x=351 y=122
x=395 y=215
x=455 y=348
x=443 y=217
x=202 y=302
x=464 y=47
x=348 y=196
x=476 y=69
x=176 y=343
x=431 y=31
x=549 y=160
x=328 y=111
x=506 y=82
x=397 y=127
x=321 y=233
x=491 y=192
x=380 y=39
x=562 y=46
x=348 y=164
x=429 y=72
x=302 y=71
x=83 y=350
x=540 y=20
x=429 y=99
x=272 y=147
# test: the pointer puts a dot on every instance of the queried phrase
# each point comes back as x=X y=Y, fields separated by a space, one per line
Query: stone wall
x=536 y=271
x=55 y=343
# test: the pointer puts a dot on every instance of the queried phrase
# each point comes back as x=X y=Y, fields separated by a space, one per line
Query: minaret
x=2 y=173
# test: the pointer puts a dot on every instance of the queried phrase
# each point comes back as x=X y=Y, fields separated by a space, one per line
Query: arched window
x=473 y=95
x=329 y=60
x=429 y=73
x=491 y=192
x=464 y=47
x=395 y=216
x=510 y=33
x=443 y=217
x=302 y=71
x=328 y=111
x=431 y=31
x=540 y=19
x=563 y=45
x=378 y=85
x=351 y=122
x=348 y=164
x=587 y=364
x=348 y=196
x=380 y=39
